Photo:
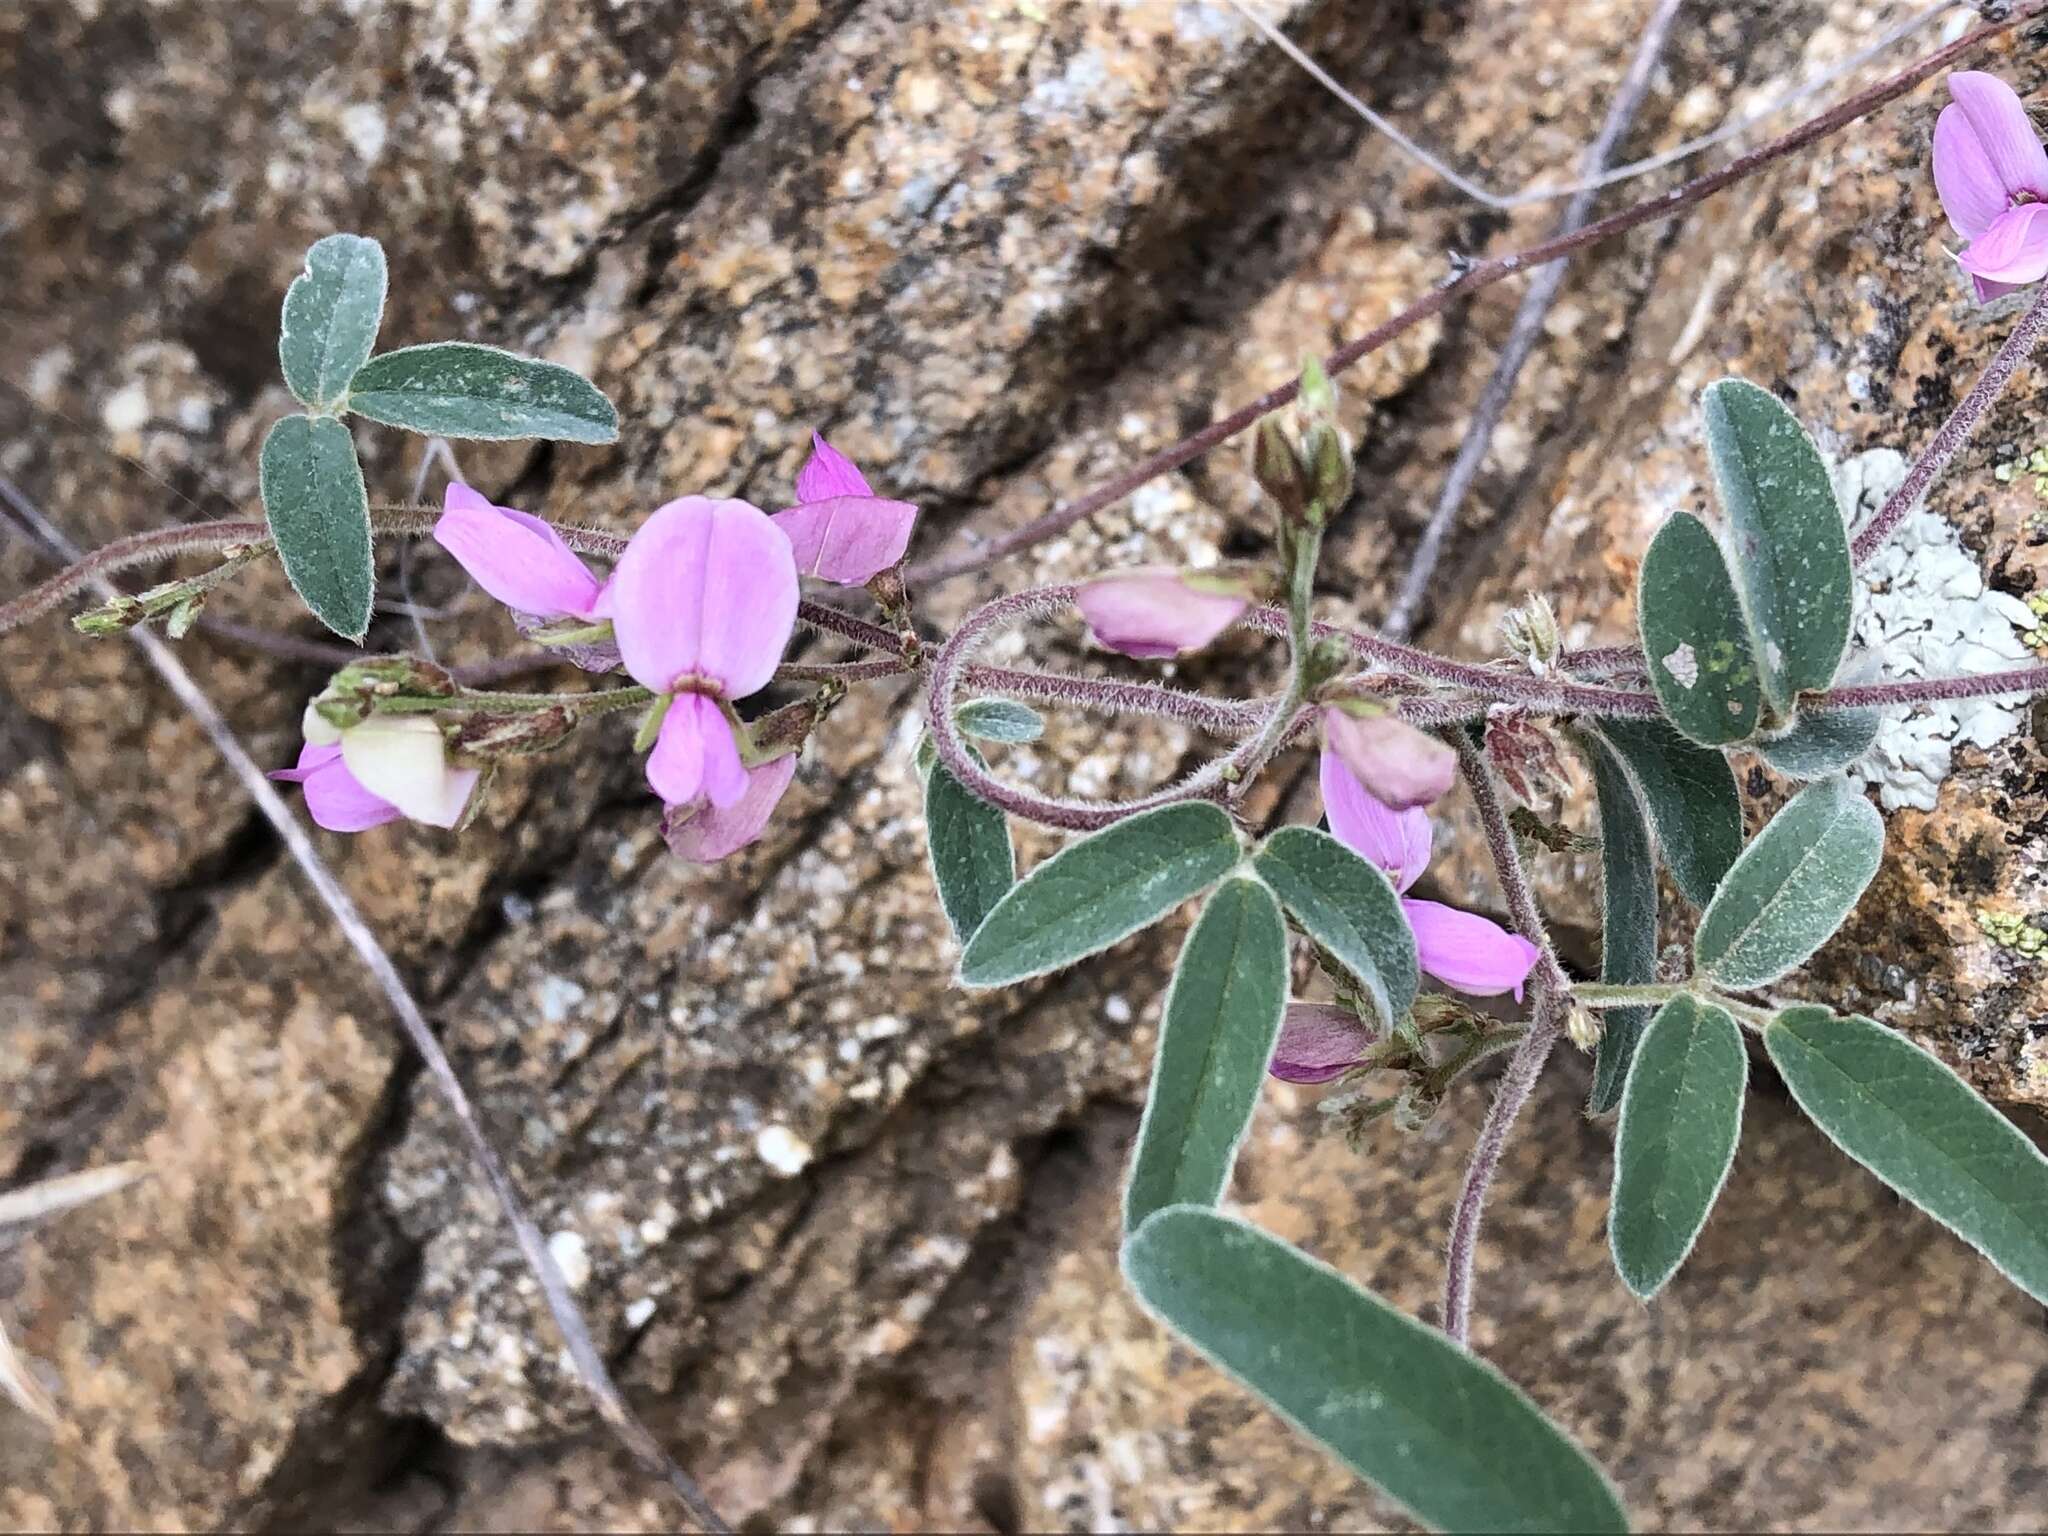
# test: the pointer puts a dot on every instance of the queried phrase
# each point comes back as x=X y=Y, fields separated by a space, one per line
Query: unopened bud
x=889 y=589
x=1530 y=632
x=111 y=617
x=1155 y=611
x=1317 y=397
x=1278 y=468
x=1328 y=453
x=1398 y=765
x=785 y=729
x=1583 y=1026
x=185 y=616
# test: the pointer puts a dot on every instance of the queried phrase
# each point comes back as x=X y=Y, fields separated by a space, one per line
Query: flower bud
x=1279 y=469
x=1155 y=611
x=1530 y=632
x=1395 y=763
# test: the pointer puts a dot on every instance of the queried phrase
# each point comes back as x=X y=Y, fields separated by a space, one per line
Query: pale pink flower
x=704 y=833
x=1470 y=953
x=516 y=557
x=1156 y=611
x=1395 y=762
x=702 y=601
x=390 y=766
x=1992 y=175
x=840 y=530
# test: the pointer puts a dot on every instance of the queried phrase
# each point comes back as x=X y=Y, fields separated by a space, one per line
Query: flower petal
x=1318 y=1041
x=514 y=556
x=706 y=589
x=1397 y=841
x=1474 y=954
x=704 y=833
x=695 y=756
x=1988 y=290
x=311 y=758
x=337 y=802
x=403 y=759
x=1152 y=611
x=2004 y=130
x=848 y=539
x=1393 y=762
x=828 y=473
x=2014 y=249
x=1971 y=193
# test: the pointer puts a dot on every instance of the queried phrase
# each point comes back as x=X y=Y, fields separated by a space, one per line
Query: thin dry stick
x=1484 y=275
x=590 y=1366
x=1527 y=329
x=1553 y=997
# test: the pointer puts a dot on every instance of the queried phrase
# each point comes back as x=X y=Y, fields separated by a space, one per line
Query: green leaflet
x=1101 y=889
x=1693 y=635
x=1401 y=1405
x=319 y=512
x=1785 y=532
x=331 y=314
x=1003 y=720
x=460 y=389
x=973 y=863
x=1818 y=745
x=1917 y=1126
x=1792 y=886
x=1628 y=894
x=1675 y=1143
x=1222 y=1016
x=1693 y=802
x=1349 y=908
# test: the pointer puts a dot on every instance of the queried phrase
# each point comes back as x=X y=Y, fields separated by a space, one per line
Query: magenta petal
x=337 y=802
x=704 y=833
x=2014 y=249
x=1394 y=762
x=706 y=590
x=2000 y=122
x=847 y=539
x=1318 y=1041
x=1971 y=193
x=311 y=758
x=1397 y=841
x=1474 y=954
x=1988 y=290
x=677 y=768
x=514 y=556
x=1153 y=611
x=828 y=473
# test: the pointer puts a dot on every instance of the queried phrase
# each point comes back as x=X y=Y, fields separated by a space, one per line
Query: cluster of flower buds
x=698 y=610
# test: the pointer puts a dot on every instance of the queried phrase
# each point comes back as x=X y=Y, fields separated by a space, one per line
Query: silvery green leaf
x=1675 y=1142
x=319 y=512
x=1100 y=890
x=1437 y=1428
x=1785 y=532
x=1222 y=1016
x=1346 y=905
x=1919 y=1127
x=1693 y=802
x=1694 y=637
x=973 y=863
x=460 y=389
x=1792 y=887
x=1628 y=932
x=331 y=314
x=1823 y=743
x=1001 y=720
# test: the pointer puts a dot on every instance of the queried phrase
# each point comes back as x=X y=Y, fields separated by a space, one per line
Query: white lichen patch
x=1926 y=612
x=1683 y=665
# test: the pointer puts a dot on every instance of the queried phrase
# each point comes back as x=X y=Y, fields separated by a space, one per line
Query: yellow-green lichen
x=2008 y=930
x=2037 y=637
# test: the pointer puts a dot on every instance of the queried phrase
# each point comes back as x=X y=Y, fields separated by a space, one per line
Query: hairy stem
x=1662 y=206
x=1962 y=421
x=1931 y=690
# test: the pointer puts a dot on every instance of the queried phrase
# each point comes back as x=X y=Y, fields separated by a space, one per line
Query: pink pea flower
x=1992 y=175
x=1392 y=760
x=703 y=601
x=1155 y=611
x=1465 y=951
x=390 y=766
x=840 y=530
x=516 y=557
x=704 y=833
x=1319 y=1041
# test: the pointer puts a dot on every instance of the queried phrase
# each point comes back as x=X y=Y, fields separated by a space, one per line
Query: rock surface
x=845 y=1230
